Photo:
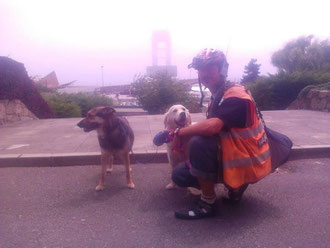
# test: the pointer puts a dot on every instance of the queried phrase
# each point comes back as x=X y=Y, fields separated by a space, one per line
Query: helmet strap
x=202 y=94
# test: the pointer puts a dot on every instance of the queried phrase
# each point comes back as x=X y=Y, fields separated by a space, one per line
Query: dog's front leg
x=130 y=183
x=172 y=163
x=104 y=160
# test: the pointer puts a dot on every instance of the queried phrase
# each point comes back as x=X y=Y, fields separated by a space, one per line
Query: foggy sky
x=75 y=38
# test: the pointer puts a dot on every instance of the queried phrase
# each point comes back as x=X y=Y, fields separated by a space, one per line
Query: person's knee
x=182 y=177
x=177 y=176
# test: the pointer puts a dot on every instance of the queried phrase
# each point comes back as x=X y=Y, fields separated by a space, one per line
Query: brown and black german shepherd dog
x=115 y=137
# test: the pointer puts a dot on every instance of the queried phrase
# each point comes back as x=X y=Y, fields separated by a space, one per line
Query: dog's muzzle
x=87 y=126
x=182 y=116
x=181 y=121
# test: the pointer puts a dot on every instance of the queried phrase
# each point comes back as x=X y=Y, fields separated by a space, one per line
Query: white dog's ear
x=188 y=118
x=166 y=117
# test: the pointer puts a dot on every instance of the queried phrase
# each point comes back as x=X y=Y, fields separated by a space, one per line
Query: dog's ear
x=106 y=112
x=188 y=116
x=166 y=117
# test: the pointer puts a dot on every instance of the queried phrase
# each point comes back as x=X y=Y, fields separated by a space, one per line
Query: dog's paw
x=99 y=187
x=171 y=185
x=109 y=170
x=131 y=185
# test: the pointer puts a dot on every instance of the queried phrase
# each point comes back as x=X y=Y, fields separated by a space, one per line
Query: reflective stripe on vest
x=239 y=162
x=243 y=133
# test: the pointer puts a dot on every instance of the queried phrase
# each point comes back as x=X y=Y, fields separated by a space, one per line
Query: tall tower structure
x=161 y=54
x=161 y=48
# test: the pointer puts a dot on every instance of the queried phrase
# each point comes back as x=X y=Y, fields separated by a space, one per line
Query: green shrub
x=63 y=107
x=277 y=91
x=74 y=105
x=87 y=101
x=157 y=93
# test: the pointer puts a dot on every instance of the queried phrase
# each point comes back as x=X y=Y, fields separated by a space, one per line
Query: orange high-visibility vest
x=245 y=151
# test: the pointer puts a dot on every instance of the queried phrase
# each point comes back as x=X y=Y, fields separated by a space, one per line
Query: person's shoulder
x=234 y=90
x=232 y=86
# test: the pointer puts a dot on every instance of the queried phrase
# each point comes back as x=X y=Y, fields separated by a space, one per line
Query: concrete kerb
x=93 y=158
x=312 y=151
x=74 y=159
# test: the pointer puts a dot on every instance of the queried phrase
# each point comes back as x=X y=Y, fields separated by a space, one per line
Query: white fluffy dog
x=176 y=117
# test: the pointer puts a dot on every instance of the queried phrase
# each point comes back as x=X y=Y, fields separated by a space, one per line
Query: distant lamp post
x=102 y=75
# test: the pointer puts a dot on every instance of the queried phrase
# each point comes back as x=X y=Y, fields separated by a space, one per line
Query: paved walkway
x=56 y=142
x=59 y=207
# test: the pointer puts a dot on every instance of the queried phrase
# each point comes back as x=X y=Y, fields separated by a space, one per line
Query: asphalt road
x=58 y=207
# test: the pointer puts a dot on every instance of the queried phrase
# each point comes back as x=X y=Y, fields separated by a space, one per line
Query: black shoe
x=235 y=196
x=199 y=211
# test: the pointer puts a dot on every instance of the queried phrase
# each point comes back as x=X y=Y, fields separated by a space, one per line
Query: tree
x=303 y=54
x=251 y=72
x=302 y=62
x=157 y=93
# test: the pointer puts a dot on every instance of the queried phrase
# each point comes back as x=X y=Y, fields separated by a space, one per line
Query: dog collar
x=176 y=131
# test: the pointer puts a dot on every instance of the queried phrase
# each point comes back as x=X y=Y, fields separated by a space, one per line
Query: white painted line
x=16 y=146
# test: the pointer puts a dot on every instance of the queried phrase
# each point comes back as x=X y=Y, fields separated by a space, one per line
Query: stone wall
x=314 y=100
x=13 y=111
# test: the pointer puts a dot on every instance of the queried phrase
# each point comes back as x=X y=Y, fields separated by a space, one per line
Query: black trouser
x=203 y=163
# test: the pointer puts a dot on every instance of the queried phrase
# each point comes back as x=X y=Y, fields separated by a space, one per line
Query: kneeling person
x=230 y=146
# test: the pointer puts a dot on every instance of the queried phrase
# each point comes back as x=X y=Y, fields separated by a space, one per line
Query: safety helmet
x=210 y=56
